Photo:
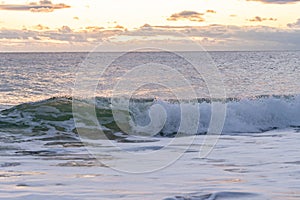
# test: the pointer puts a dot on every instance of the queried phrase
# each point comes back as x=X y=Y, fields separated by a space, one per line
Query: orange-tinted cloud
x=40 y=27
x=260 y=19
x=119 y=27
x=41 y=6
x=211 y=11
x=94 y=28
x=187 y=15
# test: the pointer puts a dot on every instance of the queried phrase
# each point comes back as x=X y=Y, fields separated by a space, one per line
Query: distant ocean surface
x=256 y=157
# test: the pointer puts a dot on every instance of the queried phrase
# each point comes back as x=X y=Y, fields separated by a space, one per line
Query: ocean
x=150 y=125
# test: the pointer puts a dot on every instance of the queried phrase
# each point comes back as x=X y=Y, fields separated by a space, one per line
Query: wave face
x=243 y=116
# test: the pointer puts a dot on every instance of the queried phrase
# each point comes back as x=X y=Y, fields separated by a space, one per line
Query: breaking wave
x=252 y=115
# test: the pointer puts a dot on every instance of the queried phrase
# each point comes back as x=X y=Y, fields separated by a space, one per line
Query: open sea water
x=49 y=152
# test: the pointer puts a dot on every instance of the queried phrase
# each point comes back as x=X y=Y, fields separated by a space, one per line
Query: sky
x=122 y=25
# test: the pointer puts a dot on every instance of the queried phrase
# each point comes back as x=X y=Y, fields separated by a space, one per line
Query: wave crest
x=251 y=115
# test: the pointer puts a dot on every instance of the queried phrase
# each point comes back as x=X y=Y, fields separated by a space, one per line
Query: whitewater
x=47 y=151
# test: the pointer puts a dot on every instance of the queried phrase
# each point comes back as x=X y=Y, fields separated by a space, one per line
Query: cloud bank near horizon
x=212 y=37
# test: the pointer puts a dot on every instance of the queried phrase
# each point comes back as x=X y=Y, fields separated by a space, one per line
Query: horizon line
x=270 y=50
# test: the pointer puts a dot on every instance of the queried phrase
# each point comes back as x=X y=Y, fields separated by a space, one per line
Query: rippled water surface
x=264 y=166
x=43 y=154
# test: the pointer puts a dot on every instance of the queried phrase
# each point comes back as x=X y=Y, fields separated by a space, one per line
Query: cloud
x=41 y=27
x=277 y=1
x=146 y=26
x=211 y=11
x=94 y=28
x=295 y=25
x=64 y=34
x=119 y=27
x=65 y=29
x=212 y=37
x=228 y=37
x=187 y=15
x=260 y=19
x=41 y=6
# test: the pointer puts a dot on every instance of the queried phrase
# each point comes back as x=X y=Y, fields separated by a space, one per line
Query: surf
x=249 y=115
